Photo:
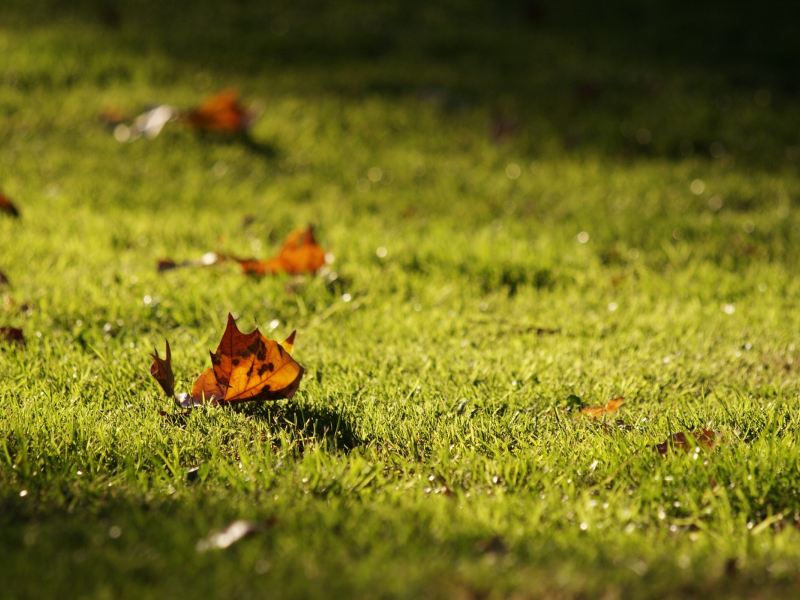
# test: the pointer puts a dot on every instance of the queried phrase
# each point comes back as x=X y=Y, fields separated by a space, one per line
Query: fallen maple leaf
x=300 y=254
x=609 y=408
x=705 y=438
x=248 y=367
x=161 y=370
x=12 y=334
x=7 y=206
x=222 y=113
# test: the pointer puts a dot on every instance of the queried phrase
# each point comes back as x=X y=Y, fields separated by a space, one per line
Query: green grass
x=430 y=451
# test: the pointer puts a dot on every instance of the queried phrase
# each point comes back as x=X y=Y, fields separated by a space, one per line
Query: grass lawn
x=532 y=208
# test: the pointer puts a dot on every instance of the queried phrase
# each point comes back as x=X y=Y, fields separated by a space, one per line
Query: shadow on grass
x=304 y=423
x=262 y=148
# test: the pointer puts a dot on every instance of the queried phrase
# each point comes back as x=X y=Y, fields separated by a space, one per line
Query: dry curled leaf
x=248 y=367
x=609 y=408
x=300 y=254
x=7 y=206
x=12 y=334
x=705 y=438
x=221 y=113
x=161 y=370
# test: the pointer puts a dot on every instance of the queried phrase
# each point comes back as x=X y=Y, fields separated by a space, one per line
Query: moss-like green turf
x=528 y=214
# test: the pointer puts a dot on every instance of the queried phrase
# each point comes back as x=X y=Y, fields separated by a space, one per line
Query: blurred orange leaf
x=7 y=206
x=300 y=254
x=609 y=408
x=248 y=367
x=705 y=438
x=221 y=112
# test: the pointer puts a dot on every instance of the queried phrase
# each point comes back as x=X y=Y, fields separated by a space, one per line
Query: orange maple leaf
x=248 y=367
x=221 y=112
x=7 y=206
x=609 y=408
x=300 y=254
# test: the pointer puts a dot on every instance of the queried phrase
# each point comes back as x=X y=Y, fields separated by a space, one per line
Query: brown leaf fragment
x=3 y=279
x=610 y=407
x=7 y=206
x=12 y=335
x=165 y=264
x=705 y=438
x=161 y=370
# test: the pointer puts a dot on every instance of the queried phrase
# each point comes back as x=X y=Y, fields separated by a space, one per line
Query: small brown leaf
x=165 y=264
x=12 y=334
x=7 y=206
x=610 y=407
x=3 y=279
x=705 y=438
x=161 y=370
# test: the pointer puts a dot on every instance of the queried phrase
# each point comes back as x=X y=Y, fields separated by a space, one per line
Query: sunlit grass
x=477 y=285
